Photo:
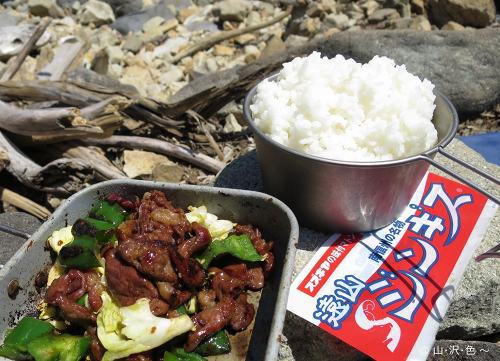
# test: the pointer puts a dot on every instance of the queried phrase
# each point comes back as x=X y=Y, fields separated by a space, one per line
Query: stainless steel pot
x=344 y=196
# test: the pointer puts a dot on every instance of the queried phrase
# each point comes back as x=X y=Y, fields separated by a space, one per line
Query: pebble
x=133 y=43
x=382 y=15
x=420 y=22
x=253 y=18
x=184 y=14
x=232 y=10
x=339 y=21
x=140 y=163
x=245 y=39
x=251 y=53
x=170 y=47
x=223 y=50
x=172 y=75
x=452 y=25
x=170 y=173
x=115 y=54
x=152 y=24
x=96 y=12
x=370 y=6
x=45 y=8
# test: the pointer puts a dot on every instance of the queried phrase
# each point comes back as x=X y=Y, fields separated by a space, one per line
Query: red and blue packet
x=386 y=292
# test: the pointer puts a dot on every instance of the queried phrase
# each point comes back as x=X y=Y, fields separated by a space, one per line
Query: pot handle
x=460 y=178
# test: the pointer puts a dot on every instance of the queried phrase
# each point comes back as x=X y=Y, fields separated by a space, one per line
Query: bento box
x=270 y=215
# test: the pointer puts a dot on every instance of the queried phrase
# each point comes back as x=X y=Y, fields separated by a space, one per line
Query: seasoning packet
x=386 y=292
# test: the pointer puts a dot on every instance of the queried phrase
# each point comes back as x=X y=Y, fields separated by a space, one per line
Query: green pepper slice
x=102 y=230
x=59 y=348
x=82 y=301
x=178 y=354
x=109 y=212
x=217 y=344
x=17 y=339
x=79 y=253
x=239 y=246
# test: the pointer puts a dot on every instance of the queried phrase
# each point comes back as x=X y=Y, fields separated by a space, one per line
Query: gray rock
x=456 y=350
x=339 y=21
x=201 y=25
x=383 y=14
x=96 y=12
x=232 y=10
x=125 y=7
x=13 y=38
x=478 y=13
x=21 y=221
x=134 y=22
x=45 y=8
x=464 y=65
x=296 y=40
x=402 y=6
x=8 y=18
x=133 y=43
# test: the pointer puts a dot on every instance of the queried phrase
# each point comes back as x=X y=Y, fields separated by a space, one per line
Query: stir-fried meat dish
x=129 y=254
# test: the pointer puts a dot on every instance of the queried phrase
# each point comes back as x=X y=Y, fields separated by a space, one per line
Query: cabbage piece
x=60 y=238
x=127 y=330
x=218 y=228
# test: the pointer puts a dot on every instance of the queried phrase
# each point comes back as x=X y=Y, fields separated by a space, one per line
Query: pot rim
x=441 y=144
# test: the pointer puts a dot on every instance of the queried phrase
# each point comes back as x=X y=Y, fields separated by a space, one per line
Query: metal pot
x=345 y=196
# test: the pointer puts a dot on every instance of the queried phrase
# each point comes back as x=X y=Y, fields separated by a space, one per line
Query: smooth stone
x=8 y=18
x=402 y=7
x=21 y=221
x=232 y=10
x=383 y=14
x=96 y=12
x=201 y=25
x=135 y=21
x=452 y=25
x=133 y=43
x=477 y=13
x=339 y=21
x=45 y=8
x=13 y=38
x=126 y=7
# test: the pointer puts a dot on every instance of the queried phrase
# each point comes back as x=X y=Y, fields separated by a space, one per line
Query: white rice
x=339 y=109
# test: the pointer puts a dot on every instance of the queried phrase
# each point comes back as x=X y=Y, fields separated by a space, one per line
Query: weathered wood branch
x=100 y=163
x=54 y=121
x=62 y=176
x=64 y=57
x=24 y=203
x=14 y=66
x=161 y=147
x=208 y=42
x=84 y=94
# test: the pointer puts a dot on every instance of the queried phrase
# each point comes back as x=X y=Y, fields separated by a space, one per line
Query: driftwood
x=4 y=159
x=21 y=202
x=161 y=147
x=83 y=94
x=61 y=177
x=210 y=138
x=14 y=66
x=208 y=42
x=55 y=121
x=100 y=163
x=64 y=57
